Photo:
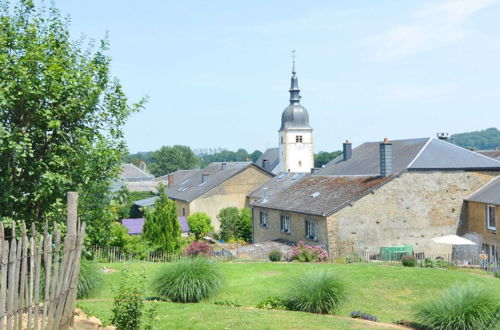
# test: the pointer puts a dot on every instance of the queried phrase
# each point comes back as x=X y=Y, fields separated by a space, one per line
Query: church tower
x=295 y=135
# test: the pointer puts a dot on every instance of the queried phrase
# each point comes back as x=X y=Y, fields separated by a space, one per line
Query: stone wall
x=273 y=231
x=477 y=223
x=233 y=192
x=409 y=210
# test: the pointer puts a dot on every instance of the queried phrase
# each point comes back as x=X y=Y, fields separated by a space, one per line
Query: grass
x=316 y=292
x=390 y=292
x=464 y=306
x=188 y=280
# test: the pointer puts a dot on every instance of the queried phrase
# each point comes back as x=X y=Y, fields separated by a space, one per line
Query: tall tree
x=169 y=159
x=61 y=119
x=323 y=157
x=161 y=226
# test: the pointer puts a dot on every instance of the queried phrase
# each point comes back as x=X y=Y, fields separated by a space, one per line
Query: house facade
x=403 y=192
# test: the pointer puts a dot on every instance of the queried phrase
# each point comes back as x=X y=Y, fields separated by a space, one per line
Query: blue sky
x=217 y=73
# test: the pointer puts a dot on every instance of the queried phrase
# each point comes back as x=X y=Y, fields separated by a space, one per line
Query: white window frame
x=309 y=224
x=263 y=219
x=488 y=217
x=286 y=223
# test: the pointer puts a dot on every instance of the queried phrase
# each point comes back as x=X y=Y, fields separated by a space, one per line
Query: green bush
x=465 y=306
x=189 y=280
x=408 y=261
x=151 y=316
x=90 y=279
x=127 y=307
x=273 y=302
x=316 y=292
x=275 y=255
x=496 y=273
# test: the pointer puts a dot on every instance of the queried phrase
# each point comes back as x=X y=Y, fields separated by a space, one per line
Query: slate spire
x=294 y=86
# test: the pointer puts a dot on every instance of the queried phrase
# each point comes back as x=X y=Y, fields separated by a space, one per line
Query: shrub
x=151 y=316
x=273 y=302
x=90 y=279
x=275 y=255
x=127 y=307
x=198 y=249
x=427 y=263
x=364 y=316
x=496 y=273
x=409 y=261
x=316 y=292
x=465 y=306
x=227 y=303
x=306 y=253
x=200 y=224
x=189 y=280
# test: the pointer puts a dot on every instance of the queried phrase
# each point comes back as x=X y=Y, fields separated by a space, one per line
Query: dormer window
x=298 y=138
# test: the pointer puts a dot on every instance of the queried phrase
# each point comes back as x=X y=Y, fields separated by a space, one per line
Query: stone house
x=483 y=218
x=215 y=187
x=403 y=192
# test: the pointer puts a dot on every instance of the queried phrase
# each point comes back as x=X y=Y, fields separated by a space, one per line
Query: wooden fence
x=39 y=275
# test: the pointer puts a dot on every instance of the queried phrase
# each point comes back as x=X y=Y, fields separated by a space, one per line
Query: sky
x=217 y=73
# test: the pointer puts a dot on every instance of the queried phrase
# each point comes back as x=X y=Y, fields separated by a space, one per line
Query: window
x=263 y=219
x=281 y=140
x=300 y=163
x=183 y=212
x=298 y=138
x=490 y=217
x=285 y=224
x=311 y=229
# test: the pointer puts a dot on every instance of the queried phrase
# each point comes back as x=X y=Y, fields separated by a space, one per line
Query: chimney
x=347 y=150
x=265 y=164
x=143 y=166
x=442 y=136
x=170 y=179
x=204 y=177
x=385 y=158
x=223 y=166
x=314 y=170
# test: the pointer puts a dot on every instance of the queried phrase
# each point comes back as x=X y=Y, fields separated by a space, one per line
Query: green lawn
x=386 y=291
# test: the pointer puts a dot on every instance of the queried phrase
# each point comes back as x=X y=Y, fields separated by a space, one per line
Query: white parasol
x=452 y=240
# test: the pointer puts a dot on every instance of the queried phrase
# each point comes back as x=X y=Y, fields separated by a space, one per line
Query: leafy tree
x=61 y=120
x=170 y=159
x=323 y=157
x=228 y=218
x=118 y=235
x=488 y=139
x=200 y=224
x=161 y=226
x=255 y=155
x=222 y=155
x=244 y=230
x=235 y=224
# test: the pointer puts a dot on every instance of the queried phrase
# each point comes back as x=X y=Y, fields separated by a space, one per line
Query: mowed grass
x=389 y=292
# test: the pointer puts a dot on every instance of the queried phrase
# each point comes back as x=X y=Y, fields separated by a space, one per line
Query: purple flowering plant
x=308 y=253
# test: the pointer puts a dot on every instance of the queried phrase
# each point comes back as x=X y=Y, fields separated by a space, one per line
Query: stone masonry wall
x=409 y=210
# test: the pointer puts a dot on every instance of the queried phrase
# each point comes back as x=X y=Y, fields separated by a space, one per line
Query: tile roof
x=495 y=154
x=191 y=187
x=410 y=154
x=279 y=182
x=272 y=155
x=132 y=172
x=488 y=194
x=322 y=195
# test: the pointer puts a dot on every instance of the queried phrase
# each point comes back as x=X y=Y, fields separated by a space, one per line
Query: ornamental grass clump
x=464 y=306
x=316 y=292
x=189 y=280
x=89 y=280
x=307 y=253
x=275 y=255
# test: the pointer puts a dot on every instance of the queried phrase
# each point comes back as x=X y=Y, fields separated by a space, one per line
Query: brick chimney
x=170 y=180
x=385 y=158
x=347 y=150
x=223 y=166
x=204 y=177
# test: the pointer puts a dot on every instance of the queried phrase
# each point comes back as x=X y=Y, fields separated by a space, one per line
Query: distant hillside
x=488 y=139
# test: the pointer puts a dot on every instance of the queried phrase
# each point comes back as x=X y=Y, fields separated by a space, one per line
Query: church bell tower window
x=298 y=138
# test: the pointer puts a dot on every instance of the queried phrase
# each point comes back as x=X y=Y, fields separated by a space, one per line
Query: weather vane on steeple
x=293 y=57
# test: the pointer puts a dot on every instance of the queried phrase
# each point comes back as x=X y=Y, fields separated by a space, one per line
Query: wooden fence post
x=72 y=212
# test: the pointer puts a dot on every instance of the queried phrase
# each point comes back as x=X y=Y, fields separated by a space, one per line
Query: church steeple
x=294 y=85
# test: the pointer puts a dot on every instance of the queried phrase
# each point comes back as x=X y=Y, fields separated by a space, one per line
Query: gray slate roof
x=191 y=187
x=322 y=195
x=495 y=154
x=410 y=154
x=488 y=194
x=272 y=155
x=150 y=201
x=276 y=184
x=130 y=172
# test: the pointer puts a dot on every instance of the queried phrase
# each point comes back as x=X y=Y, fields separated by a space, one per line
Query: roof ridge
x=420 y=152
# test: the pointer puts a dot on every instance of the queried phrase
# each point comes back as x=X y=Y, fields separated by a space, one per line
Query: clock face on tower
x=299 y=146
